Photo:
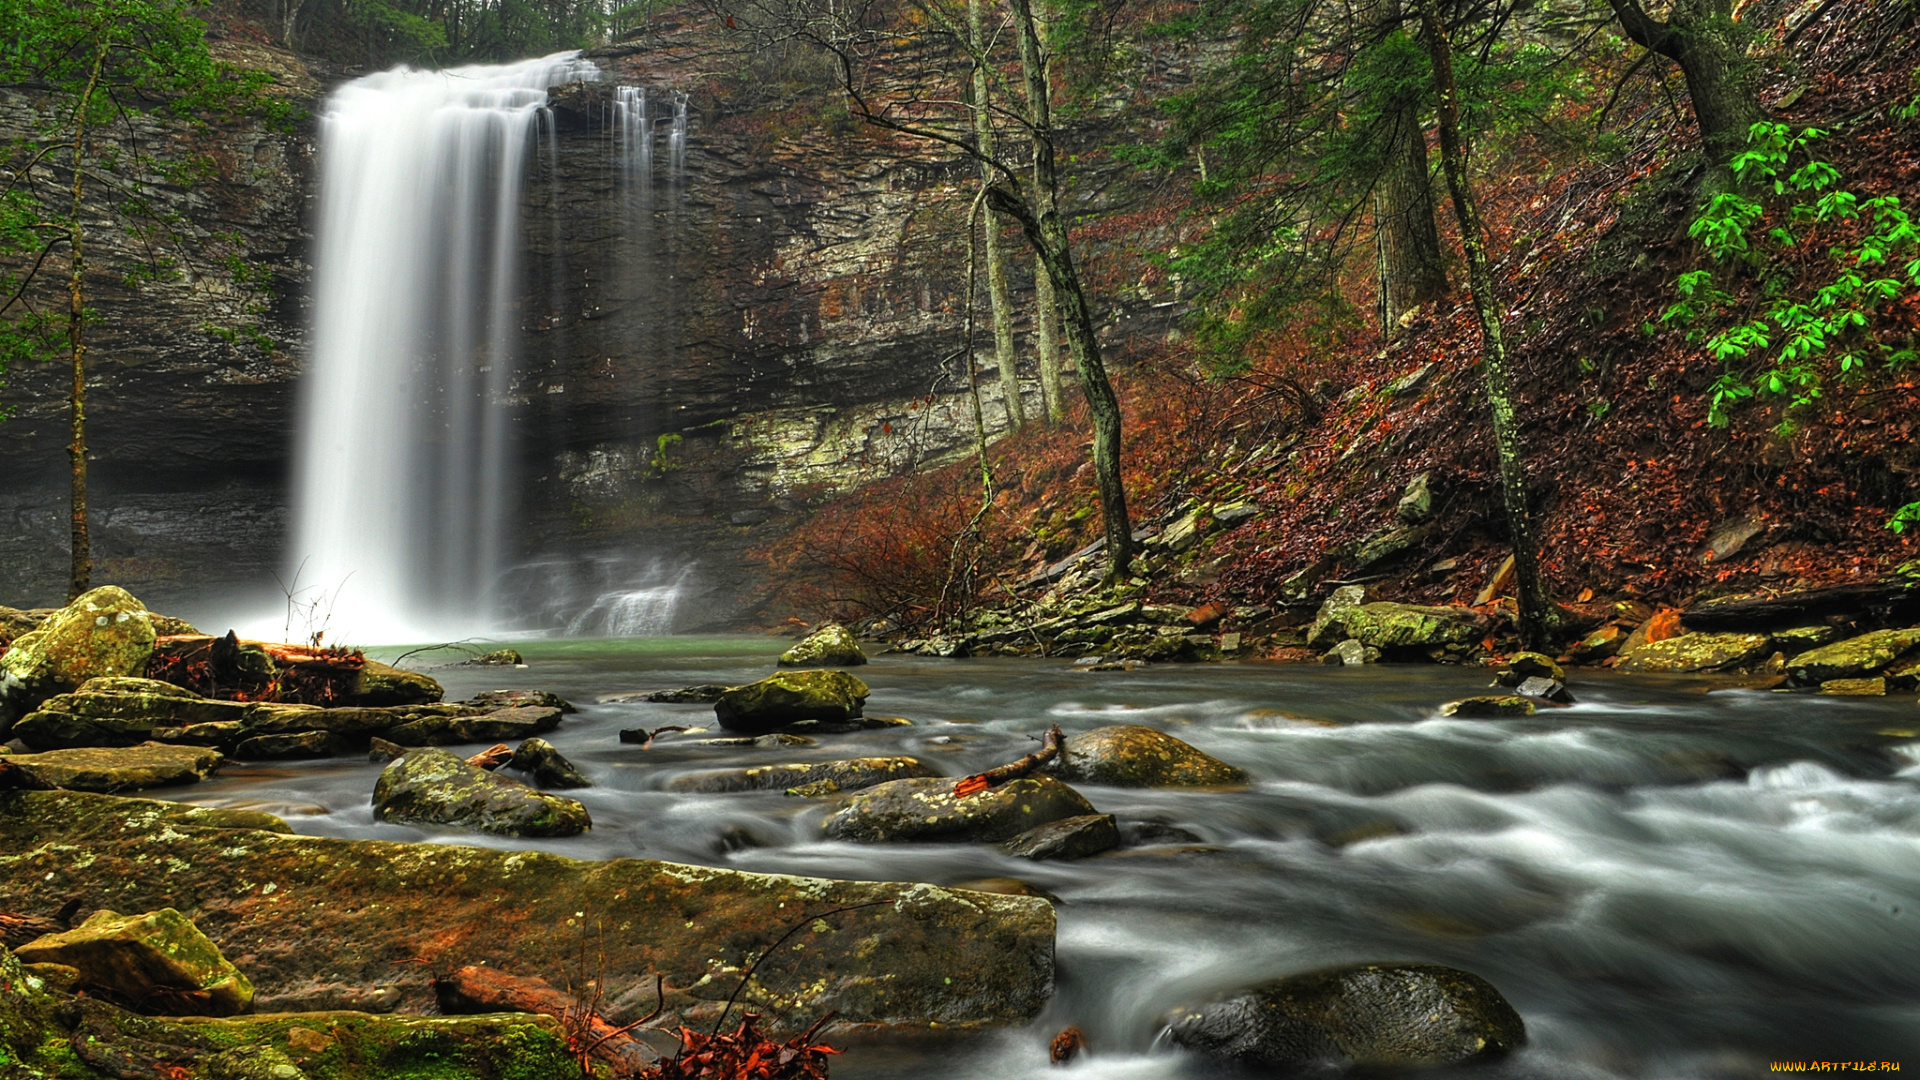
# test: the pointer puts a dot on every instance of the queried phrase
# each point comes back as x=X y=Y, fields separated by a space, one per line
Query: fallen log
x=474 y=990
x=1891 y=601
x=17 y=930
x=979 y=782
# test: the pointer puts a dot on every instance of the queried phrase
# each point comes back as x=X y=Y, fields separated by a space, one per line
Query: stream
x=1665 y=881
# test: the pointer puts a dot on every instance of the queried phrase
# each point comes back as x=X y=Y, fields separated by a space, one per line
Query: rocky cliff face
x=702 y=353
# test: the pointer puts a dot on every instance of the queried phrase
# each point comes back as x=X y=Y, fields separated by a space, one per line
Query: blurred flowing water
x=1665 y=882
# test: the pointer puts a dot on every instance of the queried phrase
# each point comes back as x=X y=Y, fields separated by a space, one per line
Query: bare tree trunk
x=1411 y=269
x=1046 y=310
x=1536 y=616
x=81 y=577
x=1047 y=231
x=996 y=261
x=1702 y=37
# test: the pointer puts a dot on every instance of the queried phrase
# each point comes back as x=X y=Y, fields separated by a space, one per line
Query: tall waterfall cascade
x=404 y=479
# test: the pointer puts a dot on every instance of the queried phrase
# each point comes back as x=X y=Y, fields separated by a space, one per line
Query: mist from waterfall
x=402 y=467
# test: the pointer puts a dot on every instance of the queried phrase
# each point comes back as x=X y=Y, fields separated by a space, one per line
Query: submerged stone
x=788 y=698
x=850 y=774
x=926 y=810
x=832 y=645
x=432 y=786
x=316 y=922
x=1368 y=1016
x=155 y=962
x=1068 y=838
x=1130 y=755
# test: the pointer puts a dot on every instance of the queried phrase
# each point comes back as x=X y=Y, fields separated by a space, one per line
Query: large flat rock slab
x=320 y=923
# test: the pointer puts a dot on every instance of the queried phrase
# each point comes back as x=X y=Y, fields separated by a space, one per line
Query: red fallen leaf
x=972 y=785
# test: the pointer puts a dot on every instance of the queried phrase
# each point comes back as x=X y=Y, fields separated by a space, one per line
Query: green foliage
x=661 y=464
x=103 y=65
x=1797 y=334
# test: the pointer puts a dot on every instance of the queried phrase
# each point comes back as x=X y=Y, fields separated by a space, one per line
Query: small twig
x=659 y=1006
x=1050 y=747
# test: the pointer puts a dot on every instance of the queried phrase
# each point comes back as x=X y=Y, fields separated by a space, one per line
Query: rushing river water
x=1665 y=882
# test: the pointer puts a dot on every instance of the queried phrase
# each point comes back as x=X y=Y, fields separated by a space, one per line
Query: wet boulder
x=105 y=632
x=703 y=694
x=549 y=769
x=221 y=735
x=1329 y=627
x=1490 y=705
x=789 y=697
x=926 y=810
x=154 y=962
x=288 y=747
x=433 y=787
x=380 y=684
x=1130 y=755
x=507 y=699
x=120 y=768
x=501 y=725
x=1522 y=666
x=497 y=658
x=1351 y=653
x=832 y=645
x=119 y=712
x=1068 y=838
x=811 y=779
x=1544 y=689
x=1854 y=658
x=1405 y=627
x=350 y=723
x=1688 y=654
x=1367 y=1017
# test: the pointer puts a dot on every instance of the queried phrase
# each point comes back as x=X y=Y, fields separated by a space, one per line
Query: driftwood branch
x=1050 y=748
x=475 y=989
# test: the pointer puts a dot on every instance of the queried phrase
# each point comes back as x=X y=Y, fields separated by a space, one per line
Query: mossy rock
x=430 y=786
x=850 y=774
x=1853 y=658
x=1330 y=624
x=1133 y=756
x=832 y=645
x=500 y=725
x=1367 y=1016
x=1694 y=653
x=105 y=632
x=126 y=768
x=380 y=684
x=1068 y=838
x=926 y=810
x=1390 y=627
x=316 y=922
x=1489 y=705
x=289 y=747
x=1522 y=666
x=549 y=768
x=119 y=712
x=159 y=958
x=789 y=697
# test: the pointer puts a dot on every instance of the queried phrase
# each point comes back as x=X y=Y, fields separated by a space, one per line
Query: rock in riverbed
x=832 y=645
x=789 y=697
x=926 y=810
x=1853 y=658
x=818 y=777
x=317 y=922
x=1689 y=654
x=105 y=632
x=1129 y=755
x=120 y=768
x=432 y=786
x=1489 y=705
x=1068 y=838
x=549 y=769
x=1369 y=1016
x=501 y=725
x=158 y=962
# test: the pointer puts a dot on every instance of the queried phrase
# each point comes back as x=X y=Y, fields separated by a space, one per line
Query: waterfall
x=402 y=475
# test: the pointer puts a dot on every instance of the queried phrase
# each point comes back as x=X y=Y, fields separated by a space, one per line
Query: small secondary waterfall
x=402 y=477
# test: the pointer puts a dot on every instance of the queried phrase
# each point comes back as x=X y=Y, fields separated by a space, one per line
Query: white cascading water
x=402 y=485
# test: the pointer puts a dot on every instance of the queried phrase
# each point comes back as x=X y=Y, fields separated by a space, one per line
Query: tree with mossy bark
x=102 y=66
x=1709 y=46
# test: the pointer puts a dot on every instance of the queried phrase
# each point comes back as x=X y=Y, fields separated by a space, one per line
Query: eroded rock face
x=158 y=962
x=788 y=698
x=1129 y=755
x=104 y=632
x=299 y=908
x=1370 y=1016
x=832 y=645
x=1694 y=653
x=926 y=810
x=433 y=787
